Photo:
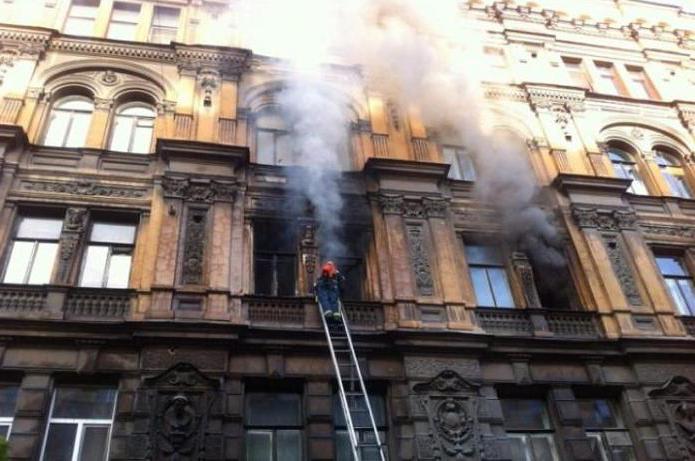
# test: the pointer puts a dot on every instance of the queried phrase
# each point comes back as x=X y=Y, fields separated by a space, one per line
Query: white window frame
x=134 y=127
x=81 y=423
x=7 y=421
x=526 y=437
x=121 y=248
x=56 y=108
x=36 y=243
x=118 y=21
x=154 y=26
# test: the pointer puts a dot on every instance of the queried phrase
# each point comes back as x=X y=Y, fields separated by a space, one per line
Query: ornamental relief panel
x=446 y=420
x=677 y=398
x=198 y=190
x=419 y=259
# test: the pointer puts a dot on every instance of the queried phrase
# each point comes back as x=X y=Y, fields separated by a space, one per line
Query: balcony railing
x=278 y=311
x=53 y=302
x=539 y=322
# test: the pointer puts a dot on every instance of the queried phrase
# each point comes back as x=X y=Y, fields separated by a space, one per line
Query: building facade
x=155 y=295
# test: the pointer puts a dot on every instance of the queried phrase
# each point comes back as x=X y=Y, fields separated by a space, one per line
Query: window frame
x=579 y=71
x=56 y=107
x=466 y=170
x=526 y=434
x=135 y=24
x=273 y=430
x=600 y=433
x=153 y=26
x=672 y=169
x=603 y=69
x=81 y=423
x=130 y=248
x=639 y=74
x=382 y=429
x=136 y=119
x=672 y=253
x=504 y=266
x=36 y=242
x=628 y=165
x=272 y=255
x=276 y=134
x=70 y=16
x=9 y=420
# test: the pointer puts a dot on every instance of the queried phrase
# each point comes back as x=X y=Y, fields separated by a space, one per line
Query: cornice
x=545 y=97
x=406 y=167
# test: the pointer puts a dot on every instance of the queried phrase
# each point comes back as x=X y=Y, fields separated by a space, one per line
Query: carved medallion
x=678 y=400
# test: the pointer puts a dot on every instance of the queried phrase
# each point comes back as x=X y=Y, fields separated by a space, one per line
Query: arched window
x=68 y=122
x=272 y=139
x=624 y=166
x=672 y=171
x=132 y=129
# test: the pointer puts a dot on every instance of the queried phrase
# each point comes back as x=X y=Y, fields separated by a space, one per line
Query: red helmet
x=328 y=269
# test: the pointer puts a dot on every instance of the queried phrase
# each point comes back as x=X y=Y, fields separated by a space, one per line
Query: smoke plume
x=425 y=55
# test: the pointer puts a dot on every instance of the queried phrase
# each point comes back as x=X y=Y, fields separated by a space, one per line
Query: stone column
x=576 y=445
x=31 y=413
x=319 y=420
x=97 y=137
x=72 y=238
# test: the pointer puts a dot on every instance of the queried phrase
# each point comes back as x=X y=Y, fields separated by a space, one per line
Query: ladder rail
x=352 y=434
x=361 y=380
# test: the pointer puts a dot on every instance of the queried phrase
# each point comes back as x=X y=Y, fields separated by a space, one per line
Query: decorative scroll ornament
x=678 y=399
x=206 y=191
x=194 y=247
x=74 y=225
x=84 y=188
x=391 y=204
x=622 y=270
x=435 y=208
x=419 y=260
x=605 y=220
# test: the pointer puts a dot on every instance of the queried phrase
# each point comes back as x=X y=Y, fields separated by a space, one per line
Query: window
x=8 y=401
x=641 y=84
x=165 y=25
x=275 y=258
x=679 y=282
x=133 y=128
x=272 y=139
x=79 y=427
x=108 y=256
x=124 y=21
x=81 y=17
x=624 y=167
x=365 y=434
x=528 y=425
x=462 y=166
x=349 y=257
x=33 y=251
x=486 y=265
x=673 y=173
x=68 y=122
x=610 y=82
x=604 y=425
x=273 y=423
x=576 y=71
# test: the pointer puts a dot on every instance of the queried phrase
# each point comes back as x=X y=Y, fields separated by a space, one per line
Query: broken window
x=554 y=285
x=350 y=259
x=275 y=258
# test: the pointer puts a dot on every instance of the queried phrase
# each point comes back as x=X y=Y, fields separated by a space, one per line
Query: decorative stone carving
x=198 y=190
x=84 y=188
x=419 y=260
x=103 y=104
x=449 y=403
x=622 y=269
x=179 y=406
x=685 y=232
x=209 y=80
x=109 y=78
x=413 y=209
x=74 y=225
x=605 y=220
x=677 y=396
x=561 y=117
x=391 y=204
x=523 y=268
x=75 y=220
x=435 y=208
x=194 y=246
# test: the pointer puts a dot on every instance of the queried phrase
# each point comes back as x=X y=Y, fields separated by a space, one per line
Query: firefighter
x=328 y=290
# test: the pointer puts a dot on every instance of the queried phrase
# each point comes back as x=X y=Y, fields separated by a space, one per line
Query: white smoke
x=426 y=55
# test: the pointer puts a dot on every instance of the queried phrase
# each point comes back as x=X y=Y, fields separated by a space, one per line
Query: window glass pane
x=524 y=414
x=674 y=289
x=142 y=140
x=671 y=265
x=78 y=26
x=265 y=147
x=4 y=430
x=272 y=409
x=40 y=228
x=77 y=134
x=681 y=187
x=543 y=449
x=518 y=448
x=121 y=31
x=483 y=254
x=289 y=445
x=286 y=275
x=126 y=12
x=688 y=292
x=164 y=16
x=84 y=403
x=597 y=413
x=42 y=266
x=94 y=266
x=263 y=278
x=343 y=451
x=119 y=271
x=361 y=418
x=76 y=104
x=112 y=233
x=120 y=136
x=259 y=446
x=94 y=443
x=283 y=149
x=500 y=288
x=57 y=128
x=138 y=111
x=467 y=167
x=449 y=155
x=18 y=265
x=163 y=36
x=483 y=294
x=8 y=400
x=60 y=442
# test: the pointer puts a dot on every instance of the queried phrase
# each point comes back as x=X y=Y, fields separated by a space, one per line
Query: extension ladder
x=364 y=440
